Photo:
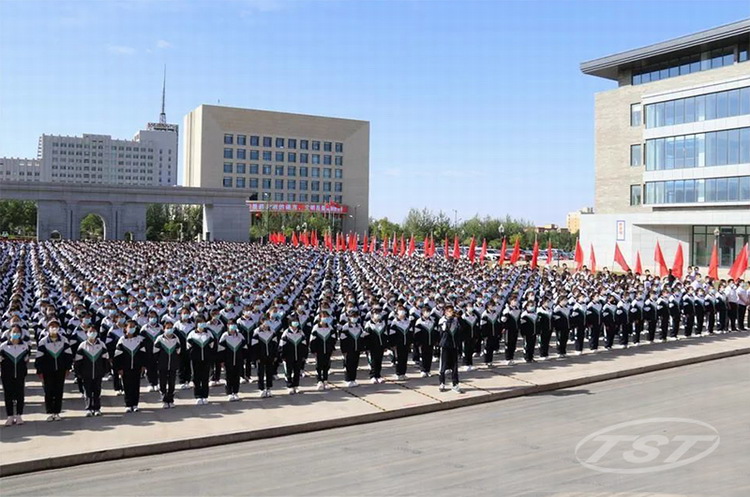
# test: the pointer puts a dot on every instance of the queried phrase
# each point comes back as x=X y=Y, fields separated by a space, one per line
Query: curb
x=246 y=436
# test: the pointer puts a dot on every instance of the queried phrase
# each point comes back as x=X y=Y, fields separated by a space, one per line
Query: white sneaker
x=19 y=420
x=290 y=391
x=579 y=352
x=128 y=409
x=469 y=369
x=51 y=417
x=97 y=413
x=381 y=380
x=510 y=363
x=262 y=394
x=184 y=386
x=355 y=384
x=244 y=380
x=423 y=374
x=135 y=409
x=108 y=378
x=374 y=381
x=457 y=389
x=10 y=421
x=349 y=384
x=165 y=405
x=88 y=414
x=268 y=393
x=636 y=344
x=199 y=402
x=321 y=386
x=401 y=377
x=154 y=388
x=276 y=377
x=303 y=374
x=121 y=392
x=328 y=386
x=230 y=397
x=442 y=387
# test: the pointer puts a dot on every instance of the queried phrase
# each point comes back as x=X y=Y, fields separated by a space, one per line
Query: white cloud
x=121 y=49
x=163 y=44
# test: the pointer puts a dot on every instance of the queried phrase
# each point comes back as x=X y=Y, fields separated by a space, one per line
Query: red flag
x=354 y=242
x=445 y=249
x=550 y=255
x=503 y=248
x=659 y=259
x=373 y=243
x=472 y=249
x=592 y=260
x=578 y=257
x=365 y=245
x=516 y=251
x=535 y=254
x=620 y=259
x=412 y=246
x=295 y=240
x=713 y=266
x=456 y=248
x=385 y=245
x=679 y=261
x=315 y=241
x=483 y=253
x=740 y=264
x=402 y=246
x=638 y=267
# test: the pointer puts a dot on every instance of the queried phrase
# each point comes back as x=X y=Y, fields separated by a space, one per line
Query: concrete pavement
x=519 y=447
x=40 y=445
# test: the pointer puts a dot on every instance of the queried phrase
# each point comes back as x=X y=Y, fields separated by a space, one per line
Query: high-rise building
x=281 y=157
x=672 y=148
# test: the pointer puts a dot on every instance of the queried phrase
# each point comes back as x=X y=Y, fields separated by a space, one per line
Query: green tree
x=92 y=227
x=18 y=217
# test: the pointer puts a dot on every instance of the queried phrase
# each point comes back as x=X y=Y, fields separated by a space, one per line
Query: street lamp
x=501 y=230
x=266 y=196
x=717 y=232
x=455 y=218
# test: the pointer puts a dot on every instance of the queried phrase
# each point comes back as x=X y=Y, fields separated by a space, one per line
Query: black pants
x=201 y=370
x=351 y=363
x=699 y=322
x=449 y=360
x=610 y=330
x=233 y=374
x=425 y=355
x=562 y=340
x=323 y=364
x=675 y=325
x=265 y=373
x=491 y=345
x=14 y=389
x=116 y=381
x=529 y=343
x=741 y=310
x=131 y=382
x=689 y=323
x=637 y=330
x=625 y=330
x=375 y=356
x=732 y=315
x=651 y=327
x=402 y=356
x=92 y=387
x=166 y=385
x=664 y=326
x=723 y=319
x=469 y=345
x=54 y=384
x=292 y=369
x=248 y=366
x=216 y=371
x=152 y=372
x=186 y=370
x=711 y=321
x=511 y=340
x=594 y=335
x=580 y=336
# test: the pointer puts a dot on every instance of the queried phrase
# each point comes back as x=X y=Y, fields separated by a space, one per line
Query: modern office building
x=673 y=149
x=281 y=157
x=16 y=169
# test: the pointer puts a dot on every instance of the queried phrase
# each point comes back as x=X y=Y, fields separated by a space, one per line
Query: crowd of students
x=196 y=315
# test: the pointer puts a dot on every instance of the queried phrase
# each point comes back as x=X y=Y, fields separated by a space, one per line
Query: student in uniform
x=578 y=322
x=511 y=320
x=700 y=310
x=650 y=315
x=426 y=336
x=150 y=331
x=609 y=320
x=115 y=332
x=544 y=327
x=201 y=351
x=687 y=306
x=182 y=328
x=322 y=344
x=674 y=312
x=217 y=327
x=53 y=360
x=232 y=349
x=246 y=325
x=130 y=363
x=662 y=310
x=561 y=324
x=400 y=338
x=635 y=317
x=450 y=346
x=265 y=348
x=622 y=321
x=377 y=332
x=527 y=326
x=90 y=364
x=294 y=349
x=14 y=357
x=352 y=342
x=594 y=321
x=168 y=355
x=471 y=332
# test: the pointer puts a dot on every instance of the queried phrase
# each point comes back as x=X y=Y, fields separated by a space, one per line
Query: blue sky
x=474 y=106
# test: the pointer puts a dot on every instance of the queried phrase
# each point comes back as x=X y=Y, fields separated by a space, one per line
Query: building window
x=279 y=171
x=705 y=107
x=254 y=141
x=279 y=143
x=291 y=143
x=240 y=168
x=315 y=198
x=635 y=155
x=339 y=160
x=291 y=157
x=303 y=158
x=303 y=184
x=303 y=197
x=339 y=187
x=227 y=167
x=266 y=155
x=291 y=184
x=253 y=168
x=267 y=142
x=327 y=146
x=718 y=148
x=278 y=197
x=241 y=153
x=267 y=169
x=303 y=171
x=291 y=170
x=303 y=144
x=635 y=194
x=291 y=197
x=253 y=182
x=316 y=172
x=266 y=183
x=315 y=186
x=279 y=156
x=338 y=199
x=228 y=140
x=279 y=184
x=241 y=140
x=327 y=172
x=339 y=174
x=635 y=115
x=254 y=155
x=327 y=160
x=709 y=190
x=326 y=186
x=315 y=158
x=228 y=153
x=339 y=148
x=315 y=145
x=240 y=183
x=227 y=182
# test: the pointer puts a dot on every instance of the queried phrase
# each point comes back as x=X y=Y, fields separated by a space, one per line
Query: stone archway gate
x=61 y=207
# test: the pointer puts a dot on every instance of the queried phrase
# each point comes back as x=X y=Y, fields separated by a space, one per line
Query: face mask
x=295 y=324
x=91 y=335
x=86 y=320
x=229 y=307
x=152 y=320
x=168 y=332
x=247 y=314
x=130 y=331
x=111 y=312
x=232 y=327
x=15 y=336
x=53 y=331
x=328 y=320
x=185 y=317
x=203 y=326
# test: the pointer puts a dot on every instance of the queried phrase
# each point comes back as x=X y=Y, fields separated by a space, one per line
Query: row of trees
x=425 y=222
x=174 y=222
x=18 y=218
